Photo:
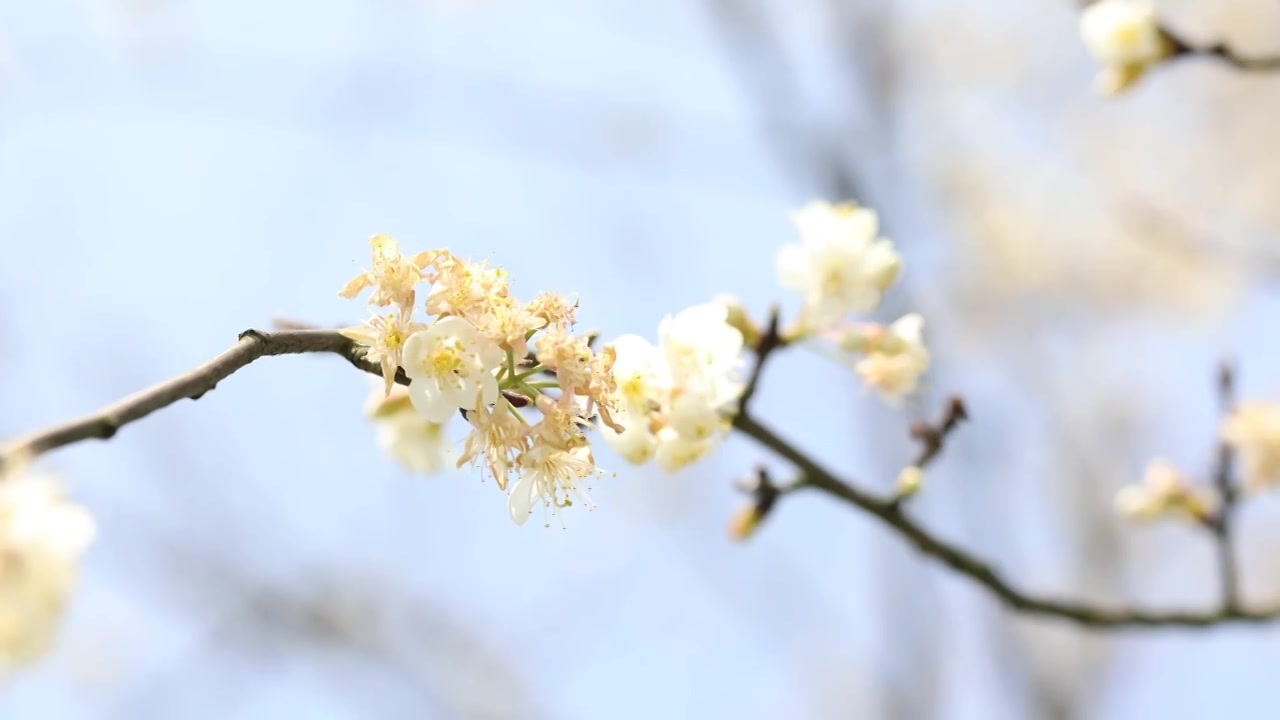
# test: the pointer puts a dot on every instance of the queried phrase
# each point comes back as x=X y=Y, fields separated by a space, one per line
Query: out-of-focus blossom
x=1253 y=431
x=1164 y=491
x=889 y=359
x=840 y=265
x=909 y=481
x=42 y=537
x=1125 y=38
x=417 y=444
x=676 y=399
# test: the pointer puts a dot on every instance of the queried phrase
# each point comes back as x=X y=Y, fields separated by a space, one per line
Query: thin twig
x=1223 y=522
x=1220 y=51
x=770 y=340
x=252 y=345
x=933 y=436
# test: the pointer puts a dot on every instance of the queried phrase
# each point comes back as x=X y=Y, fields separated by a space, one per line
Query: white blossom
x=636 y=443
x=703 y=355
x=1125 y=38
x=1164 y=490
x=383 y=338
x=840 y=266
x=392 y=276
x=895 y=359
x=674 y=451
x=550 y=475
x=1253 y=431
x=42 y=537
x=450 y=366
x=417 y=444
x=676 y=400
x=1121 y=32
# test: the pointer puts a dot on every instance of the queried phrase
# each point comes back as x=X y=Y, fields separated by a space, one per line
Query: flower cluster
x=676 y=399
x=1125 y=38
x=484 y=354
x=477 y=350
x=1164 y=491
x=42 y=537
x=842 y=267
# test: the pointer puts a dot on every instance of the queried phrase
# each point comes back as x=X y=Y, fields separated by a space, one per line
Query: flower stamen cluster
x=480 y=352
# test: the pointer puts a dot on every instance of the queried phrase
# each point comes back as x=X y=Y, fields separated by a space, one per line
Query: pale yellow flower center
x=633 y=389
x=443 y=361
x=833 y=280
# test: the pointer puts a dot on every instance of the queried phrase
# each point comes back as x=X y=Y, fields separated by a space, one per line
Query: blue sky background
x=173 y=172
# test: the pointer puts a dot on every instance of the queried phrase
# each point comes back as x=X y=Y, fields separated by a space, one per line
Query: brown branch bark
x=1183 y=49
x=1223 y=523
x=252 y=345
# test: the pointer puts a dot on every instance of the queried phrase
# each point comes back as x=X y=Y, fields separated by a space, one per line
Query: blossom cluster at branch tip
x=1165 y=491
x=42 y=537
x=841 y=267
x=1125 y=38
x=481 y=353
x=676 y=399
x=1252 y=430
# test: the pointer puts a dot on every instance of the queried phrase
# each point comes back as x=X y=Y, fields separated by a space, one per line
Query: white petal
x=909 y=327
x=415 y=351
x=488 y=389
x=520 y=502
x=491 y=356
x=693 y=418
x=430 y=403
x=795 y=268
x=635 y=443
x=674 y=452
x=881 y=264
x=454 y=326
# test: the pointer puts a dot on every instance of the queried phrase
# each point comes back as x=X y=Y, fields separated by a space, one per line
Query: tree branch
x=890 y=512
x=1220 y=51
x=1222 y=524
x=977 y=570
x=253 y=344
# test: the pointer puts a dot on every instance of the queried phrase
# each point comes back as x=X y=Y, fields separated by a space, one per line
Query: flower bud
x=909 y=481
x=744 y=521
x=1125 y=37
